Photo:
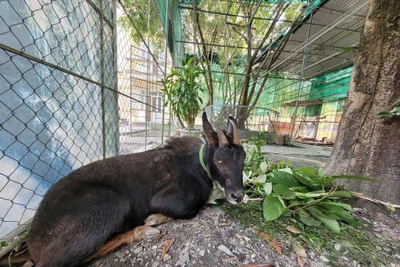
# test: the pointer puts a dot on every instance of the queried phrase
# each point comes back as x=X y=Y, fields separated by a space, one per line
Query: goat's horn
x=222 y=140
x=236 y=137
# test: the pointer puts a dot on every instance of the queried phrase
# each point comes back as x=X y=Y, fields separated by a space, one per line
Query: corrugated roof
x=333 y=34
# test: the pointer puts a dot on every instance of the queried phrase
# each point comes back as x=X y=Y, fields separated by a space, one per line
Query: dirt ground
x=210 y=239
x=214 y=239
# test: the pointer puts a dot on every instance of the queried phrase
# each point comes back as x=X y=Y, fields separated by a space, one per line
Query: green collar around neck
x=201 y=157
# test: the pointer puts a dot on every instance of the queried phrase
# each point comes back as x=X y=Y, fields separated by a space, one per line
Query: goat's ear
x=209 y=133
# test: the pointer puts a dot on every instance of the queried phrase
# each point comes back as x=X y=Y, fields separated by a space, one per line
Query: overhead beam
x=358 y=6
x=243 y=47
x=261 y=18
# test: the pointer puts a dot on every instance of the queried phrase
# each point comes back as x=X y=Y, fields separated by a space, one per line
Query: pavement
x=300 y=155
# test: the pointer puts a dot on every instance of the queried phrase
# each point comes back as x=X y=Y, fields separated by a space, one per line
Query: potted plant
x=182 y=92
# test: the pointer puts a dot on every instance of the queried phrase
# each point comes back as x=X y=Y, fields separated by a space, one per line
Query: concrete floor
x=300 y=155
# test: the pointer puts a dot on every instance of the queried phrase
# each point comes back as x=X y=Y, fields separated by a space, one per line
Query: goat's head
x=225 y=158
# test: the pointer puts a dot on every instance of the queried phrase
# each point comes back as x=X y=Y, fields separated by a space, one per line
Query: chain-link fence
x=77 y=84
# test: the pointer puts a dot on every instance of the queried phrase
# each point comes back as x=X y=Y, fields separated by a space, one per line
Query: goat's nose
x=237 y=196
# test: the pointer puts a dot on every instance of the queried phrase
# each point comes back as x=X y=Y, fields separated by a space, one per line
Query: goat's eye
x=218 y=159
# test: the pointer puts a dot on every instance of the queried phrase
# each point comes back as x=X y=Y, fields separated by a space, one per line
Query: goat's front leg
x=156 y=219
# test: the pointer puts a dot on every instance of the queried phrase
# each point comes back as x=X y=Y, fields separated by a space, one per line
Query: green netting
x=174 y=28
x=331 y=86
x=314 y=110
x=266 y=1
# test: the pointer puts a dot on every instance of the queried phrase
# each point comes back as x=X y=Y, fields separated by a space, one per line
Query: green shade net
x=332 y=86
x=174 y=27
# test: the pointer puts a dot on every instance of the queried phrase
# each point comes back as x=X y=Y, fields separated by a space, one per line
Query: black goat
x=82 y=211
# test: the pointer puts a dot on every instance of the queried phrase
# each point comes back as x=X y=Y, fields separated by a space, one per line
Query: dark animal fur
x=81 y=211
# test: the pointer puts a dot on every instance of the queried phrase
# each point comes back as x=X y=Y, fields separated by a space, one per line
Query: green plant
x=310 y=196
x=394 y=111
x=390 y=114
x=182 y=90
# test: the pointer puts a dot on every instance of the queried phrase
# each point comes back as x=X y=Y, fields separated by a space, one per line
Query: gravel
x=209 y=239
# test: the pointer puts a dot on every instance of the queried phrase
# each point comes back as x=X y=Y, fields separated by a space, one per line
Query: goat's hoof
x=156 y=219
x=145 y=232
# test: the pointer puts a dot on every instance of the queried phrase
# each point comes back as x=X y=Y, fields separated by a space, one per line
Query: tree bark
x=368 y=145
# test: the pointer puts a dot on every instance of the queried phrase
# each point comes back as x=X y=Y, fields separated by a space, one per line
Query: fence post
x=103 y=111
x=166 y=29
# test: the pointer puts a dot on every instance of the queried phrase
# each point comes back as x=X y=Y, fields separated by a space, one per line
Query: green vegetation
x=304 y=193
x=182 y=92
x=394 y=112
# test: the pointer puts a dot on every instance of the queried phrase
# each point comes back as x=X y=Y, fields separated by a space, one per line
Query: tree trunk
x=368 y=145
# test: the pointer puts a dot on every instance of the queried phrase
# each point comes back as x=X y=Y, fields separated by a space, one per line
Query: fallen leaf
x=167 y=244
x=298 y=249
x=225 y=224
x=271 y=242
x=293 y=230
x=265 y=236
x=276 y=246
x=300 y=261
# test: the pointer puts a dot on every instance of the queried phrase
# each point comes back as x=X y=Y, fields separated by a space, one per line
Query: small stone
x=155 y=264
x=232 y=241
x=167 y=257
x=184 y=255
x=119 y=254
x=338 y=246
x=225 y=250
x=137 y=250
x=154 y=247
x=202 y=252
x=311 y=254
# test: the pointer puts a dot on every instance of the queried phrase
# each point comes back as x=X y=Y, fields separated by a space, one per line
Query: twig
x=256 y=199
x=333 y=189
x=387 y=204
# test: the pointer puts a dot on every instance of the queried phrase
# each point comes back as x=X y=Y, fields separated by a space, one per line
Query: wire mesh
x=75 y=87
